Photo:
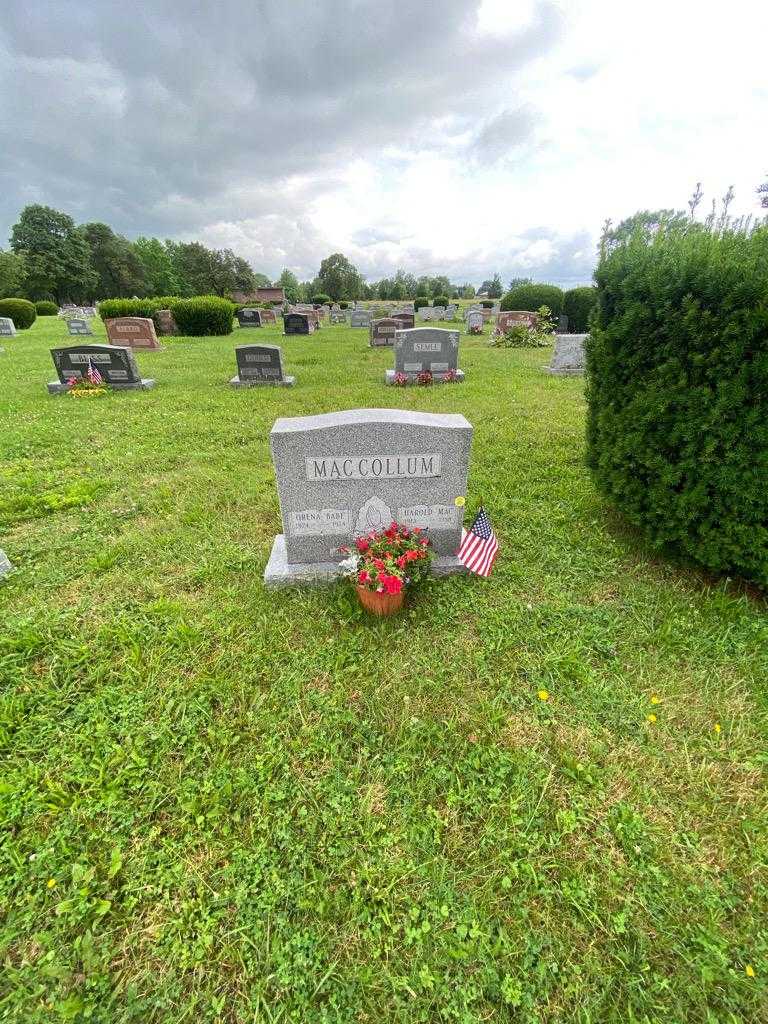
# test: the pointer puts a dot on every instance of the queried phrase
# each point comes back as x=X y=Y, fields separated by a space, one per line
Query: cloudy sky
x=461 y=136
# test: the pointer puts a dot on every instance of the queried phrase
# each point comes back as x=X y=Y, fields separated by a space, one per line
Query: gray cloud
x=173 y=119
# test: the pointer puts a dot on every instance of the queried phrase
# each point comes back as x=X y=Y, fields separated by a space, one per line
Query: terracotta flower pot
x=380 y=604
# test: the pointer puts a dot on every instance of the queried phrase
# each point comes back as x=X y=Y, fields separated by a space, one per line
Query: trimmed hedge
x=577 y=306
x=21 y=311
x=677 y=388
x=532 y=296
x=419 y=302
x=204 y=315
x=440 y=300
x=201 y=316
x=46 y=308
x=321 y=299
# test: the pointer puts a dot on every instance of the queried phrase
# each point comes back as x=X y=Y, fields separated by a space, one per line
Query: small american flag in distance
x=479 y=546
x=93 y=374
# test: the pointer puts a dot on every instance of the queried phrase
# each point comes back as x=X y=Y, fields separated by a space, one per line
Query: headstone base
x=286 y=382
x=556 y=371
x=281 y=573
x=437 y=378
x=55 y=387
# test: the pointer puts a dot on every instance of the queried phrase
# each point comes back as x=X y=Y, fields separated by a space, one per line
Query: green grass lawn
x=221 y=804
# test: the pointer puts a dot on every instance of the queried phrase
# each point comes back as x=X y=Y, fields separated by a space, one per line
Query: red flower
x=363 y=577
x=403 y=559
x=362 y=544
x=378 y=563
x=392 y=584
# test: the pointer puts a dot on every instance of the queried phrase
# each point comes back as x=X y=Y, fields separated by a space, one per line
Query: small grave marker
x=383 y=331
x=249 y=317
x=259 y=365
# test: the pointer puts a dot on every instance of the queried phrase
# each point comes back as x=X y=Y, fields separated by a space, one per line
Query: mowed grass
x=226 y=805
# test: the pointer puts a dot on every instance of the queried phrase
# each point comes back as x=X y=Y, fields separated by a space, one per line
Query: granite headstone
x=117 y=366
x=360 y=318
x=342 y=474
x=260 y=365
x=133 y=332
x=568 y=356
x=298 y=323
x=78 y=326
x=248 y=317
x=383 y=331
x=426 y=349
x=7 y=327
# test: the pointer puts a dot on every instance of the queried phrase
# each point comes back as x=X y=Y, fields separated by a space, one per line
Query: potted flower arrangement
x=384 y=563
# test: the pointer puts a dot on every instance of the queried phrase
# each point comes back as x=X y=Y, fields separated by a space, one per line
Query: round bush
x=420 y=301
x=343 y=305
x=578 y=304
x=22 y=312
x=533 y=296
x=487 y=303
x=440 y=300
x=677 y=390
x=321 y=299
x=46 y=308
x=203 y=316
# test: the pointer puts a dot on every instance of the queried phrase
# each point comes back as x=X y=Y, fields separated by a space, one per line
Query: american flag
x=93 y=374
x=479 y=546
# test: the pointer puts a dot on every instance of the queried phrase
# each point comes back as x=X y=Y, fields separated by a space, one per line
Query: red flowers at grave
x=391 y=559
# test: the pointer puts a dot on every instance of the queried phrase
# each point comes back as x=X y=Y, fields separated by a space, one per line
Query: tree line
x=51 y=257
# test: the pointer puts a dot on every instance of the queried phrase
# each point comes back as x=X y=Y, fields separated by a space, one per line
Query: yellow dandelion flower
x=650 y=718
x=655 y=698
x=51 y=883
x=543 y=695
x=749 y=970
x=718 y=728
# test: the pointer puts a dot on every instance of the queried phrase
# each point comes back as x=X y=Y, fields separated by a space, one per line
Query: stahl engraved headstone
x=7 y=327
x=383 y=330
x=298 y=323
x=133 y=331
x=568 y=356
x=117 y=367
x=260 y=365
x=343 y=474
x=78 y=325
x=248 y=317
x=426 y=349
x=360 y=318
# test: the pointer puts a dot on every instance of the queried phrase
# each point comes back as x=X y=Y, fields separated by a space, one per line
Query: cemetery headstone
x=268 y=316
x=248 y=317
x=450 y=312
x=438 y=312
x=78 y=325
x=360 y=318
x=511 y=317
x=475 y=320
x=568 y=356
x=117 y=366
x=383 y=331
x=7 y=327
x=133 y=331
x=166 y=322
x=406 y=320
x=259 y=365
x=338 y=316
x=298 y=323
x=426 y=349
x=342 y=474
x=5 y=564
x=425 y=313
x=562 y=324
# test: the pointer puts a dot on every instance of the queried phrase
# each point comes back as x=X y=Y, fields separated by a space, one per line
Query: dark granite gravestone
x=298 y=323
x=383 y=331
x=7 y=327
x=116 y=365
x=406 y=320
x=426 y=349
x=133 y=332
x=341 y=474
x=249 y=317
x=258 y=365
x=76 y=326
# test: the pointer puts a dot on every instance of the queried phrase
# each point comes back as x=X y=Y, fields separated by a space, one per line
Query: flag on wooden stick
x=479 y=546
